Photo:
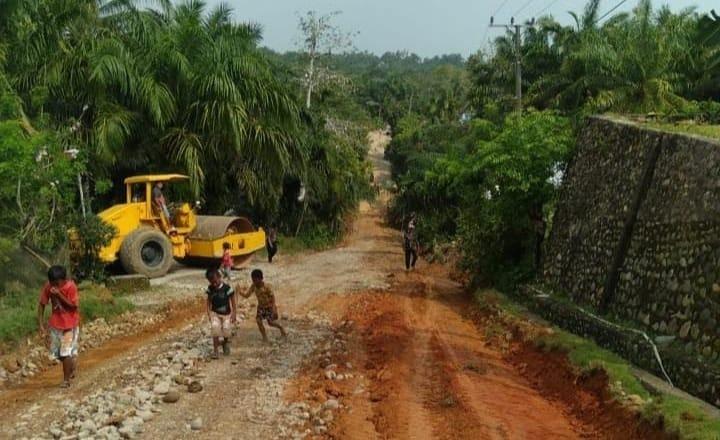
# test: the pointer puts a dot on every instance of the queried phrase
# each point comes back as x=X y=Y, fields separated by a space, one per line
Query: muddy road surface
x=373 y=353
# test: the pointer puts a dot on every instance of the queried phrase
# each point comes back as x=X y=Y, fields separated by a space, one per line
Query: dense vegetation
x=483 y=178
x=94 y=91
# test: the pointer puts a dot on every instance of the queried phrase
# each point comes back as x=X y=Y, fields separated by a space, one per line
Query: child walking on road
x=62 y=330
x=410 y=244
x=266 y=308
x=221 y=311
x=227 y=262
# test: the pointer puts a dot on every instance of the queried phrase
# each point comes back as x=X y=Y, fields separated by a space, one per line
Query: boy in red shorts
x=63 y=326
x=266 y=308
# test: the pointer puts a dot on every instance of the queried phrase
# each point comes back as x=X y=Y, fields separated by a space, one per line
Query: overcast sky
x=426 y=27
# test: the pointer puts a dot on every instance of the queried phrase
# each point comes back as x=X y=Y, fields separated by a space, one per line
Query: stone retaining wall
x=644 y=205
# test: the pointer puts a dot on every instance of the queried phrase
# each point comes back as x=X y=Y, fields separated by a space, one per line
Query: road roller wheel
x=242 y=261
x=214 y=227
x=148 y=252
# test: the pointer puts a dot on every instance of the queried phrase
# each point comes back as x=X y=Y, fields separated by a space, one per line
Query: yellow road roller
x=147 y=242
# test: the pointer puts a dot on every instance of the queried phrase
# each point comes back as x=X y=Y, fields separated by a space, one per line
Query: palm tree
x=701 y=66
x=629 y=64
x=168 y=87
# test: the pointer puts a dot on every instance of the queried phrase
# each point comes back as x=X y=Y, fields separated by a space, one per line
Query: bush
x=90 y=236
x=18 y=310
x=487 y=186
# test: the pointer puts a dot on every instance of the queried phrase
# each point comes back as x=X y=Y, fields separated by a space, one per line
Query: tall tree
x=320 y=37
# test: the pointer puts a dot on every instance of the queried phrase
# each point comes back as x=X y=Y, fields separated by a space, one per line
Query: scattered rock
x=11 y=365
x=162 y=388
x=194 y=387
x=196 y=424
x=333 y=390
x=448 y=402
x=171 y=397
x=145 y=415
x=89 y=426
x=328 y=417
x=331 y=404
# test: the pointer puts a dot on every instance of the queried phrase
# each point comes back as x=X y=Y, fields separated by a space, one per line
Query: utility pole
x=516 y=30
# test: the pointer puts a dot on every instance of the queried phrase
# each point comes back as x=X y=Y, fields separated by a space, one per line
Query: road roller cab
x=147 y=242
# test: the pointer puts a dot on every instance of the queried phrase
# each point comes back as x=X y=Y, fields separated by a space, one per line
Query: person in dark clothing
x=271 y=242
x=221 y=310
x=410 y=244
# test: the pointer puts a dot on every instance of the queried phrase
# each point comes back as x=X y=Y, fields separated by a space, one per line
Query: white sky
x=426 y=27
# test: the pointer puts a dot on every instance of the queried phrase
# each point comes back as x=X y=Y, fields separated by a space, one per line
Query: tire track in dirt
x=428 y=372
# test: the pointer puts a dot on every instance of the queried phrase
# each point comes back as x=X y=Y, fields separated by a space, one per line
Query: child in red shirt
x=227 y=262
x=63 y=325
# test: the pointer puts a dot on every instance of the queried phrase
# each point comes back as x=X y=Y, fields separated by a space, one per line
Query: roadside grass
x=709 y=131
x=316 y=240
x=680 y=416
x=18 y=310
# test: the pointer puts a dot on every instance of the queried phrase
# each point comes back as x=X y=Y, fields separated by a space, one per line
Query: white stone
x=89 y=426
x=145 y=415
x=162 y=388
x=196 y=424
x=331 y=404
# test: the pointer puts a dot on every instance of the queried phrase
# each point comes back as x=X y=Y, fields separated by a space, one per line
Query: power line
x=550 y=5
x=498 y=9
x=610 y=11
x=522 y=8
x=502 y=5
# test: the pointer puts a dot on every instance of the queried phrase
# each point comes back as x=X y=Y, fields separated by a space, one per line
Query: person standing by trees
x=410 y=243
x=63 y=327
x=271 y=242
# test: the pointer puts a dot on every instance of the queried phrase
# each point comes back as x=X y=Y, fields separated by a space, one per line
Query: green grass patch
x=18 y=310
x=489 y=298
x=316 y=240
x=686 y=418
x=709 y=131
x=588 y=356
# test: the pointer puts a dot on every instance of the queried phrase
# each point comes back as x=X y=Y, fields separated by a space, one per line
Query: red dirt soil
x=428 y=371
x=586 y=396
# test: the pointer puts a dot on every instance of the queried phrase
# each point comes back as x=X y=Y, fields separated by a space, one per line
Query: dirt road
x=373 y=352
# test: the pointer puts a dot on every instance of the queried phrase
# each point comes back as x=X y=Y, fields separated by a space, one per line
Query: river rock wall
x=669 y=272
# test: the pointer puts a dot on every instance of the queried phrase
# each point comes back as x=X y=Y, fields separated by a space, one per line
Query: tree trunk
x=311 y=79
